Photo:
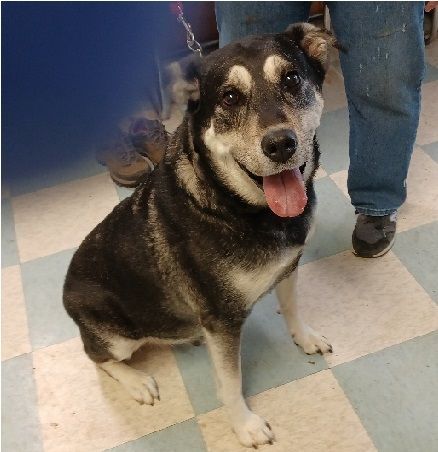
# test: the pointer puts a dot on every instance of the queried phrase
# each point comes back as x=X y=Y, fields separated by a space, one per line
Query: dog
x=222 y=221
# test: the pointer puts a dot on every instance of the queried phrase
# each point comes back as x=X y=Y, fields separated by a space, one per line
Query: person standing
x=383 y=69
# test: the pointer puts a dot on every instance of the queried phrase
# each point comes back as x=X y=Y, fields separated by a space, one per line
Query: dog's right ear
x=182 y=80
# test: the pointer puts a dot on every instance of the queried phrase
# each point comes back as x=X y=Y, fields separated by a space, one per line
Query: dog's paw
x=311 y=341
x=143 y=388
x=253 y=431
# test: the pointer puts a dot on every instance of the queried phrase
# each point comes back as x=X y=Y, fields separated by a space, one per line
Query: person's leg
x=383 y=68
x=238 y=19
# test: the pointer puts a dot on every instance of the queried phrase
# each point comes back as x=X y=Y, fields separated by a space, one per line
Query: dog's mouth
x=285 y=192
x=259 y=179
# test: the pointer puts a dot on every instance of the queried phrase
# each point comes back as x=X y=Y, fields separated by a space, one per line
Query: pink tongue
x=285 y=193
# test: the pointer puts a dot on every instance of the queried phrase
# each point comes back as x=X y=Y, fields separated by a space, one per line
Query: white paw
x=311 y=341
x=253 y=431
x=143 y=388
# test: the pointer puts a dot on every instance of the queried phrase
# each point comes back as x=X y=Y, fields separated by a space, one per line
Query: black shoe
x=374 y=236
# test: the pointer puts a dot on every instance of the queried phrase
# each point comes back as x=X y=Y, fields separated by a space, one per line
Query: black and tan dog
x=222 y=221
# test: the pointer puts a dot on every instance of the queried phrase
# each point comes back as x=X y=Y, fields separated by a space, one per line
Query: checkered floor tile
x=378 y=391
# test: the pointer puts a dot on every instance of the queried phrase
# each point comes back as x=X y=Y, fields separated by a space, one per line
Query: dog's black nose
x=279 y=145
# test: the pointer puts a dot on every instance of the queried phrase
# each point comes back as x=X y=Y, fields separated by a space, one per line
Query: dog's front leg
x=224 y=347
x=304 y=336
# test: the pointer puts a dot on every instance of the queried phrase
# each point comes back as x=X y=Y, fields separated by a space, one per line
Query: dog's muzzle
x=279 y=145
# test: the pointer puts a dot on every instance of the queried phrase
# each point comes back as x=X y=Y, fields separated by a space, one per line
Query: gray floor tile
x=124 y=192
x=9 y=243
x=20 y=424
x=269 y=359
x=335 y=221
x=431 y=73
x=60 y=173
x=432 y=150
x=418 y=250
x=6 y=191
x=395 y=394
x=183 y=437
x=197 y=373
x=333 y=140
x=43 y=280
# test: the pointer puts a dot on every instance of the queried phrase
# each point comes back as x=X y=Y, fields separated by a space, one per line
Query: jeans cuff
x=375 y=212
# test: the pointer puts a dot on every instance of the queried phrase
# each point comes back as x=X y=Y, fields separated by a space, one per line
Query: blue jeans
x=383 y=70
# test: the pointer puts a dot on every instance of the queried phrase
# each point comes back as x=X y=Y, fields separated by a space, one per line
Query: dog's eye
x=291 y=79
x=230 y=98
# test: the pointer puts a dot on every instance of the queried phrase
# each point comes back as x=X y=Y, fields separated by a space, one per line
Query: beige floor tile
x=59 y=218
x=15 y=334
x=428 y=128
x=421 y=206
x=82 y=409
x=333 y=91
x=320 y=173
x=432 y=53
x=340 y=179
x=364 y=305
x=307 y=415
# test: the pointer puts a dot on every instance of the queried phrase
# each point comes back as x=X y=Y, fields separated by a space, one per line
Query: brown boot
x=126 y=166
x=149 y=138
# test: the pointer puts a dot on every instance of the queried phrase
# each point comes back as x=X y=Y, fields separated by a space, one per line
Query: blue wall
x=71 y=71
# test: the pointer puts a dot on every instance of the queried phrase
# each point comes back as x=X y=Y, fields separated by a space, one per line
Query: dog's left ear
x=314 y=42
x=182 y=81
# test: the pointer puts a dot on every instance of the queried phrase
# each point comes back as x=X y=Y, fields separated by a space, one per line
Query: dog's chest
x=254 y=282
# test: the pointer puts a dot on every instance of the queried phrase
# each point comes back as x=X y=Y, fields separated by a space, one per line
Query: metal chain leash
x=192 y=44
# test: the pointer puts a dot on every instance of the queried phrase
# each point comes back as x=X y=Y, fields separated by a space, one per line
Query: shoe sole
x=124 y=183
x=380 y=254
x=127 y=183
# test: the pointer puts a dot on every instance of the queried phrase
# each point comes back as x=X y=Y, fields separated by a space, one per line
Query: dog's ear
x=314 y=42
x=182 y=82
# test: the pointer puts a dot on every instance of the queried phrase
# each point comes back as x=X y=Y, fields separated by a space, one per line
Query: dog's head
x=256 y=113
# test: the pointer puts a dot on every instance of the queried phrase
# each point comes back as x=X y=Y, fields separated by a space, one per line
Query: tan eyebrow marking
x=240 y=77
x=272 y=68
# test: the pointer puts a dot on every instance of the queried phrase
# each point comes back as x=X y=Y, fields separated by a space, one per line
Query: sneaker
x=149 y=138
x=126 y=166
x=374 y=236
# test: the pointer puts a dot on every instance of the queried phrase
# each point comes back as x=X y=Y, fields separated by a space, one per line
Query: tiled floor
x=378 y=391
